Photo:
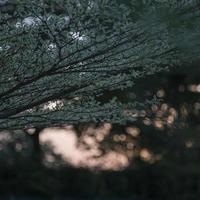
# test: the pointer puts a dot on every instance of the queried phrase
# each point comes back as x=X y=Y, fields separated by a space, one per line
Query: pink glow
x=65 y=142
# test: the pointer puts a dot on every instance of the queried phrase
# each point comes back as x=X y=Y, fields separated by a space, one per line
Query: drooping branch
x=53 y=65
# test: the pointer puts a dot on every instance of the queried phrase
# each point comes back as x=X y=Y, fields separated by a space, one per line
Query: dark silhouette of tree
x=55 y=63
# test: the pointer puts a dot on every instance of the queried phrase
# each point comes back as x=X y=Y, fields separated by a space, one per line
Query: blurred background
x=156 y=157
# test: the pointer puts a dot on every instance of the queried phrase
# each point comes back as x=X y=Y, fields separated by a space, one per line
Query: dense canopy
x=55 y=63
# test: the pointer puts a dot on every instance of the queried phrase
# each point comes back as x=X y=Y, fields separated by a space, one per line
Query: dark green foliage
x=168 y=36
x=57 y=58
x=175 y=176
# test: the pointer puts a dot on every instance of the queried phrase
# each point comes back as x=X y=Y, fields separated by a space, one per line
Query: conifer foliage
x=57 y=57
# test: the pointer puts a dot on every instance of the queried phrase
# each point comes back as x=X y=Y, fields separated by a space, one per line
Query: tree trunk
x=37 y=152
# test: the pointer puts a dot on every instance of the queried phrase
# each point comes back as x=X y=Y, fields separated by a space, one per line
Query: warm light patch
x=170 y=120
x=130 y=146
x=65 y=143
x=134 y=131
x=145 y=155
x=173 y=112
x=158 y=124
x=189 y=144
x=195 y=88
x=147 y=122
x=160 y=93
